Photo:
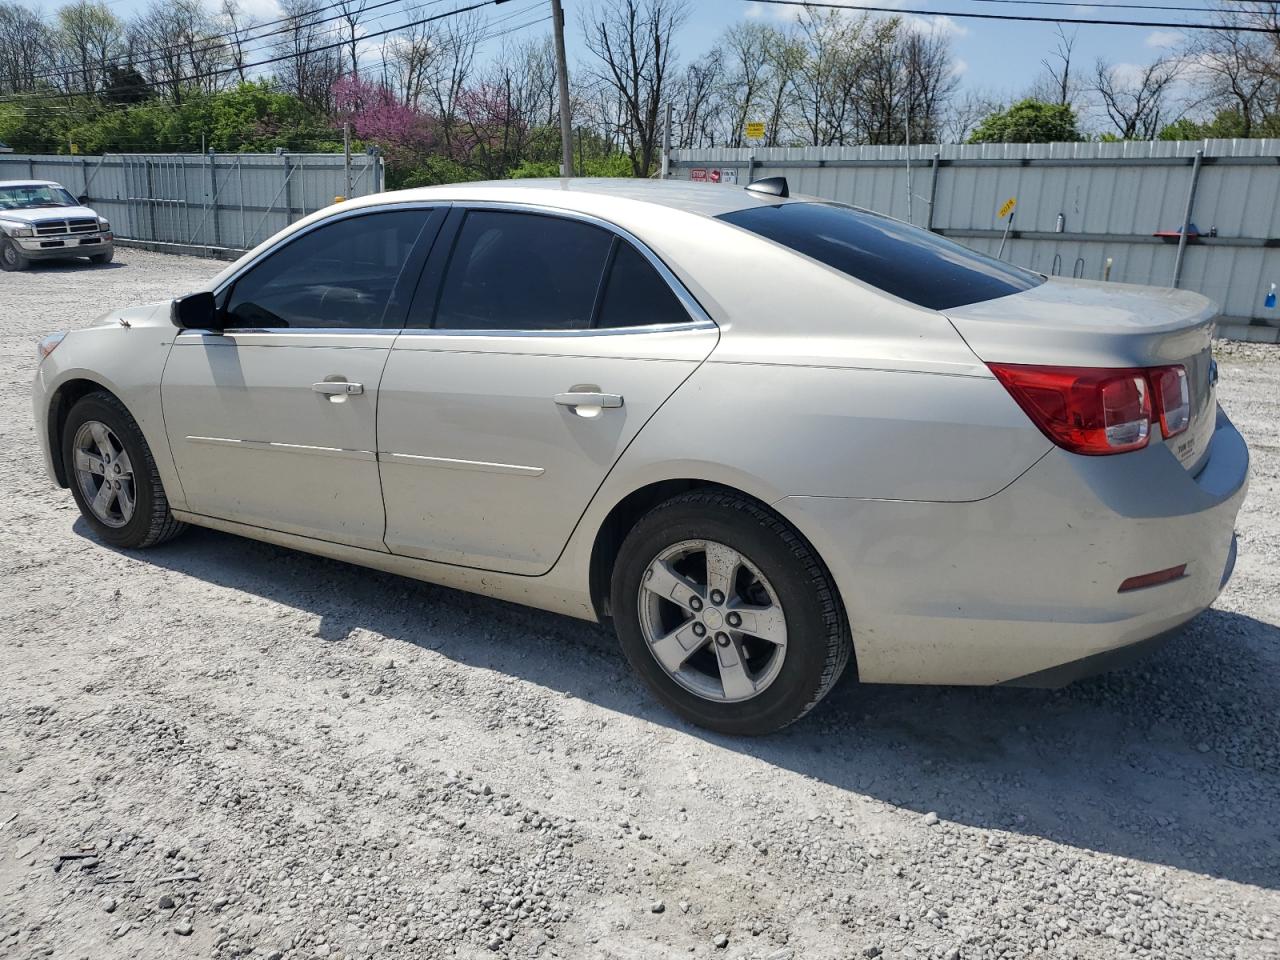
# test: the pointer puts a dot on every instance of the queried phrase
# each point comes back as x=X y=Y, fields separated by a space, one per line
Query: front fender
x=127 y=361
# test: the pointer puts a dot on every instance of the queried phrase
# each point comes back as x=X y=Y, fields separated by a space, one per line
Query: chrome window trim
x=698 y=317
x=337 y=217
x=230 y=332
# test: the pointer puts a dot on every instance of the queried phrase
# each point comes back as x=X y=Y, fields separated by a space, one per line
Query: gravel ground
x=221 y=748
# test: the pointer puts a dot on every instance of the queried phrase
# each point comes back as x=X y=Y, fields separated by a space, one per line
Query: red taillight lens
x=1173 y=399
x=1083 y=409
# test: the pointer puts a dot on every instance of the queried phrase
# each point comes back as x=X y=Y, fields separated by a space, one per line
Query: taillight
x=1097 y=410
x=1173 y=399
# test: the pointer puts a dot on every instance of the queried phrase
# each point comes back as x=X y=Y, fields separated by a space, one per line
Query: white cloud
x=1162 y=39
x=940 y=25
x=959 y=67
x=260 y=10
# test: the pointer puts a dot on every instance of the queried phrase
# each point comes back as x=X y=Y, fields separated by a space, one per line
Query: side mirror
x=83 y=199
x=195 y=311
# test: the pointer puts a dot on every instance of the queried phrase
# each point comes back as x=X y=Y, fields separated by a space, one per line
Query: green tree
x=1029 y=121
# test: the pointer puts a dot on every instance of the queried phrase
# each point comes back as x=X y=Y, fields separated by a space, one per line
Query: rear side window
x=635 y=295
x=522 y=271
x=914 y=264
x=339 y=275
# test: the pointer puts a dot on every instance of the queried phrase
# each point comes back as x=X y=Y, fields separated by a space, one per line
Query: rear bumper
x=54 y=248
x=1026 y=582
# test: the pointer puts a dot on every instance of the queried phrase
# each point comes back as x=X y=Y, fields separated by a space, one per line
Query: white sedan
x=768 y=437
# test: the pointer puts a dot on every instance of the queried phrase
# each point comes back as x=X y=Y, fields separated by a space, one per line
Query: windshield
x=906 y=261
x=27 y=196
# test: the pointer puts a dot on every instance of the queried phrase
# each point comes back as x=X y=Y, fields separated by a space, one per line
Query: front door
x=554 y=340
x=272 y=422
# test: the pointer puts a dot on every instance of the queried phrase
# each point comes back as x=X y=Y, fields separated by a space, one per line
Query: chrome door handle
x=338 y=388
x=588 y=399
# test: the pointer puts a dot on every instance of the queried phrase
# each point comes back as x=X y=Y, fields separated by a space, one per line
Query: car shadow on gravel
x=73 y=265
x=1175 y=760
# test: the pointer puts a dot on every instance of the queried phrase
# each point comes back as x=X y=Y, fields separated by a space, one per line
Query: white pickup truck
x=41 y=220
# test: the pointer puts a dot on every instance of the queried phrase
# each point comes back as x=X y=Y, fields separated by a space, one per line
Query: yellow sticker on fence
x=1006 y=208
x=755 y=131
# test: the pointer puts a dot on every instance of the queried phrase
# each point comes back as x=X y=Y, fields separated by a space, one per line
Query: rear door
x=537 y=347
x=272 y=422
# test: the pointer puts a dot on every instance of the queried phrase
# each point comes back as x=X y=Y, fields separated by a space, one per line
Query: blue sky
x=1000 y=59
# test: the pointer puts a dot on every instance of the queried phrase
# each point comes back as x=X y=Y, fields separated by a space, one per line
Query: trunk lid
x=1086 y=323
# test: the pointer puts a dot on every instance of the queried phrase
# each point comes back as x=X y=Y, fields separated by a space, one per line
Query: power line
x=1078 y=4
x=1024 y=18
x=486 y=35
x=289 y=56
x=215 y=41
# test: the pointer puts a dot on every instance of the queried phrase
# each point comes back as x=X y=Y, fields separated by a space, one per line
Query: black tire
x=818 y=643
x=11 y=257
x=102 y=258
x=152 y=522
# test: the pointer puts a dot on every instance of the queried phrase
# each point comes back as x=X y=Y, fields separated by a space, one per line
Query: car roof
x=591 y=194
x=29 y=183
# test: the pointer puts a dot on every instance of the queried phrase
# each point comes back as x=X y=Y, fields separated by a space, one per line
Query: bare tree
x=1239 y=71
x=88 y=38
x=448 y=72
x=746 y=62
x=632 y=40
x=238 y=27
x=180 y=47
x=694 y=114
x=963 y=115
x=823 y=82
x=25 y=49
x=1135 y=104
x=351 y=12
x=785 y=58
x=408 y=58
x=1058 y=84
x=308 y=71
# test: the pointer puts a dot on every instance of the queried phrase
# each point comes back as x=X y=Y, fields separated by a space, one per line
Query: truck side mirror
x=195 y=311
x=83 y=199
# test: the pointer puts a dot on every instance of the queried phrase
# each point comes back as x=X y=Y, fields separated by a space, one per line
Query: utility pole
x=562 y=75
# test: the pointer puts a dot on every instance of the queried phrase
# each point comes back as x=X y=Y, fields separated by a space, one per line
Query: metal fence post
x=933 y=190
x=213 y=198
x=1186 y=217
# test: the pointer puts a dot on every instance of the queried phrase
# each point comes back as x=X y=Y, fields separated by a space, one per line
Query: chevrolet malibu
x=767 y=437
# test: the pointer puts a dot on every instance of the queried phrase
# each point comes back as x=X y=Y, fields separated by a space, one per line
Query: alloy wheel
x=712 y=621
x=104 y=473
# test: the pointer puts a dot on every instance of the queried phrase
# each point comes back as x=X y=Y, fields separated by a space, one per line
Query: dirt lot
x=221 y=748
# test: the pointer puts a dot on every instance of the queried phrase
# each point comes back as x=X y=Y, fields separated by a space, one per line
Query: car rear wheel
x=11 y=257
x=727 y=614
x=113 y=476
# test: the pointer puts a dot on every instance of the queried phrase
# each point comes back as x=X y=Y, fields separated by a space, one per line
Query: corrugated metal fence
x=228 y=201
x=1079 y=205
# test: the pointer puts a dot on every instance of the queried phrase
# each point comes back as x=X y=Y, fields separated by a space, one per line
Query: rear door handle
x=588 y=398
x=343 y=388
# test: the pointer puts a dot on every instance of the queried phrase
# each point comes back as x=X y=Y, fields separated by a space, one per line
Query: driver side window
x=339 y=275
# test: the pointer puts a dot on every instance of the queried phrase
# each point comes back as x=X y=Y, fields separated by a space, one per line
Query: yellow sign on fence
x=1006 y=208
x=755 y=130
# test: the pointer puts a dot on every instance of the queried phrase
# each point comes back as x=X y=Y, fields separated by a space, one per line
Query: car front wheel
x=727 y=614
x=113 y=476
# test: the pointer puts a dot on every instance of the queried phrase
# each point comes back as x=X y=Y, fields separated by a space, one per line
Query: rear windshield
x=900 y=259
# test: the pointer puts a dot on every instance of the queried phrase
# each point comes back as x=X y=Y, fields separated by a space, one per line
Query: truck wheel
x=11 y=257
x=101 y=258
